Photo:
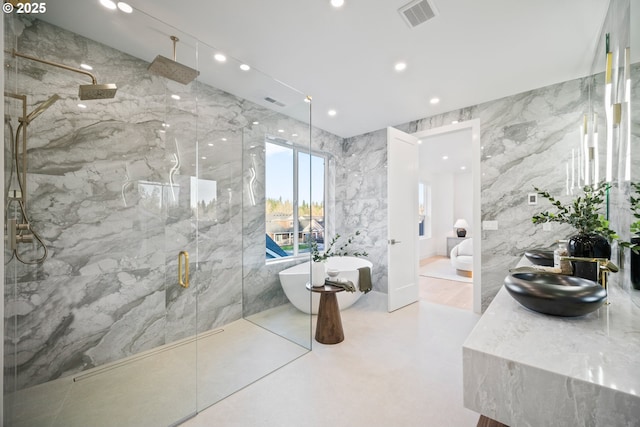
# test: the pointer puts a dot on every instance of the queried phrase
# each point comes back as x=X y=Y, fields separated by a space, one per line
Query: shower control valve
x=24 y=238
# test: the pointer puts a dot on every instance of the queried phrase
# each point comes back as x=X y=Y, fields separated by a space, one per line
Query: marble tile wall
x=110 y=192
x=527 y=140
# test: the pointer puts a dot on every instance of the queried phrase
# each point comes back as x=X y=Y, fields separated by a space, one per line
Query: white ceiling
x=455 y=146
x=471 y=52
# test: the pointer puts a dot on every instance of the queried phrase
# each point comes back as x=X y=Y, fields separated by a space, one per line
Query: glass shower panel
x=100 y=332
x=233 y=350
x=265 y=303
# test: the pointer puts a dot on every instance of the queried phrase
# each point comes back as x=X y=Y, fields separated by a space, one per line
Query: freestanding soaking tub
x=295 y=279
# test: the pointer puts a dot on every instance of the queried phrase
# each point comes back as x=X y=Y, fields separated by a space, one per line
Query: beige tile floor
x=393 y=369
x=159 y=387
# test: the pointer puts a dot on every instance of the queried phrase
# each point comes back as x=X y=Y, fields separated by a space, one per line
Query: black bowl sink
x=555 y=294
x=540 y=257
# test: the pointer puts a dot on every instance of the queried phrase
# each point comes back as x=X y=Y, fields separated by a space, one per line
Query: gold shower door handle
x=183 y=255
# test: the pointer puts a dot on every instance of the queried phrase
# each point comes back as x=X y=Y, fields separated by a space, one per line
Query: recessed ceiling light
x=124 y=7
x=280 y=130
x=166 y=125
x=210 y=144
x=455 y=122
x=400 y=66
x=419 y=141
x=219 y=57
x=332 y=112
x=256 y=123
x=445 y=157
x=224 y=139
x=203 y=158
x=86 y=66
x=82 y=106
x=244 y=67
x=176 y=97
x=337 y=3
x=294 y=134
x=434 y=100
x=463 y=167
x=108 y=4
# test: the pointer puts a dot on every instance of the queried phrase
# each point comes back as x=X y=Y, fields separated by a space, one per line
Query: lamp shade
x=461 y=223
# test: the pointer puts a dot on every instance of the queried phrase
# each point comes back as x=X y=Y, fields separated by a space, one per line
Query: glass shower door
x=100 y=333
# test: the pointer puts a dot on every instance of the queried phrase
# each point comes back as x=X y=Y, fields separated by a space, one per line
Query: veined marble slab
x=524 y=368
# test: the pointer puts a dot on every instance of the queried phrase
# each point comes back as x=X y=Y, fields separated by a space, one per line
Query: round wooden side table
x=329 y=324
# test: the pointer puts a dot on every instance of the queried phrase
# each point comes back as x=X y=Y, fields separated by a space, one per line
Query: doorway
x=450 y=173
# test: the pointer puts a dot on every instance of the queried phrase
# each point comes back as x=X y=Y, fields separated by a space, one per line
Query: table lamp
x=461 y=225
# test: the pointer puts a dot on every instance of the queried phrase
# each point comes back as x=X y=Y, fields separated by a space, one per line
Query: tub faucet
x=605 y=266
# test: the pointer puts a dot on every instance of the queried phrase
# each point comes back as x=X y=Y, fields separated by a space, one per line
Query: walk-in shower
x=102 y=333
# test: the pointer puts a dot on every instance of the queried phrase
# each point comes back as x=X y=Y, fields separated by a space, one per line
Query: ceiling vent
x=417 y=12
x=274 y=101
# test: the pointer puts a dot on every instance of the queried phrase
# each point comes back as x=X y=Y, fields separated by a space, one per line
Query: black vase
x=588 y=246
x=635 y=265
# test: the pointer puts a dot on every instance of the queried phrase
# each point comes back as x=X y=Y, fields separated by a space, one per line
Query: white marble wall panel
x=361 y=199
x=527 y=140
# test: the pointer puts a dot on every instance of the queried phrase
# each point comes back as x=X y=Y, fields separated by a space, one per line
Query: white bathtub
x=295 y=279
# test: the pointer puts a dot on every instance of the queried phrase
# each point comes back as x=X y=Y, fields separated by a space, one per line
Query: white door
x=402 y=190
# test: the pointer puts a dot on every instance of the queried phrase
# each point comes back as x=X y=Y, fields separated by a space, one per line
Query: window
x=294 y=207
x=424 y=210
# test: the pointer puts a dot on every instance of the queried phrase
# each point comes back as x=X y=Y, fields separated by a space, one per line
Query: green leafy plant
x=635 y=225
x=635 y=209
x=583 y=214
x=342 y=250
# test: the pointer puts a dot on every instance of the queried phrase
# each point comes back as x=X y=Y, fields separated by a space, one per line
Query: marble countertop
x=600 y=351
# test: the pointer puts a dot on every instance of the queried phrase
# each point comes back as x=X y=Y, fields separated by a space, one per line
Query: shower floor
x=158 y=387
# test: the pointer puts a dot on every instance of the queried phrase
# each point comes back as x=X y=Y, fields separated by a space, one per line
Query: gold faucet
x=605 y=266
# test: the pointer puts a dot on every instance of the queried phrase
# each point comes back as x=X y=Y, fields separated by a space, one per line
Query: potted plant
x=318 y=269
x=593 y=232
x=635 y=237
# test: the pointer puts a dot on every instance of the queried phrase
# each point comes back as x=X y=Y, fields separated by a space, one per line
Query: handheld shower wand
x=19 y=230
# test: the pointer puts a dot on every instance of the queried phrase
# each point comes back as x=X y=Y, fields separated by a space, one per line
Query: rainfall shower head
x=95 y=91
x=171 y=69
x=40 y=109
x=86 y=92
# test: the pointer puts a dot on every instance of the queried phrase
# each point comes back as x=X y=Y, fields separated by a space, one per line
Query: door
x=402 y=190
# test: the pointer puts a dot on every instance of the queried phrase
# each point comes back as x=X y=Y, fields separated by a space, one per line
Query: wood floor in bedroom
x=446 y=292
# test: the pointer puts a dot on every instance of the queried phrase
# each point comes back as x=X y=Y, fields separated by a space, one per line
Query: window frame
x=427 y=220
x=296 y=196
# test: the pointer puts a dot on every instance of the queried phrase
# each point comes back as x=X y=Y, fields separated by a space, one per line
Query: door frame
x=474 y=126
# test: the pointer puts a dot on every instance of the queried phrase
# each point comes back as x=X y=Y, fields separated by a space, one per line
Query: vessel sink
x=540 y=257
x=555 y=294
